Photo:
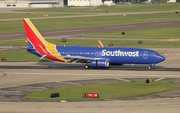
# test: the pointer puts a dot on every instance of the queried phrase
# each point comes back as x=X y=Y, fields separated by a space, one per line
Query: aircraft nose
x=161 y=58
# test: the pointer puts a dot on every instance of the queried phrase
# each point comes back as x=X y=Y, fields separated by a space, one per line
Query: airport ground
x=18 y=82
x=24 y=77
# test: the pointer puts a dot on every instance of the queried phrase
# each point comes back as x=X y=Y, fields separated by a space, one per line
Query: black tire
x=87 y=67
x=149 y=67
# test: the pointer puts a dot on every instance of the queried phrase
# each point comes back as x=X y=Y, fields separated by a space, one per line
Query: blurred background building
x=31 y=3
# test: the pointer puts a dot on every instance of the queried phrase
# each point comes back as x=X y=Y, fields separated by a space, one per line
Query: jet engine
x=99 y=63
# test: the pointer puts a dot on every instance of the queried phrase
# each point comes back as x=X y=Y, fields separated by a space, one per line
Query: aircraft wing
x=79 y=59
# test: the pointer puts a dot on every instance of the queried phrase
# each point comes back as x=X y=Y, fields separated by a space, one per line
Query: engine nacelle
x=99 y=63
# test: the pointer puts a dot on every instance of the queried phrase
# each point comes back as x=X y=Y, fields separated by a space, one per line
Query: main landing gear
x=87 y=66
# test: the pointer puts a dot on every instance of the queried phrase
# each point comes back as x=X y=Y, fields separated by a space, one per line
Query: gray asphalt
x=167 y=105
x=22 y=78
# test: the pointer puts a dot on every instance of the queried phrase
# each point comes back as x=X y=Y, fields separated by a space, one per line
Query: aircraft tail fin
x=35 y=39
x=38 y=45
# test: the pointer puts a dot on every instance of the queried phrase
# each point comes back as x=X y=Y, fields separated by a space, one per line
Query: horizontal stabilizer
x=29 y=48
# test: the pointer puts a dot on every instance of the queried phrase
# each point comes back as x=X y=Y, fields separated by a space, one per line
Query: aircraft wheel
x=87 y=67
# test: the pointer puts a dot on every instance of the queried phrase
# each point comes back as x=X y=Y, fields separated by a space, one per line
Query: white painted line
x=65 y=74
x=159 y=79
x=63 y=101
x=120 y=27
x=123 y=79
x=163 y=23
x=51 y=37
x=66 y=31
x=166 y=54
x=11 y=35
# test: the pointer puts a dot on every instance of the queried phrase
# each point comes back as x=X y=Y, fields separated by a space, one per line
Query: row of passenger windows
x=73 y=53
x=70 y=53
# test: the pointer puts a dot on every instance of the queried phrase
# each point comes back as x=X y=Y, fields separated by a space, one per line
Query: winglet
x=100 y=44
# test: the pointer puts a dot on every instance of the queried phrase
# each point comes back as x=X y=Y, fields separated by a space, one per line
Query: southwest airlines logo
x=120 y=53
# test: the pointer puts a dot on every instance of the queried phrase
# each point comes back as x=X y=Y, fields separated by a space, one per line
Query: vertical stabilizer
x=36 y=41
x=33 y=35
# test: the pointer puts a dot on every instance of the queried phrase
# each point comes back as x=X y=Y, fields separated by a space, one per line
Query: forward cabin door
x=145 y=55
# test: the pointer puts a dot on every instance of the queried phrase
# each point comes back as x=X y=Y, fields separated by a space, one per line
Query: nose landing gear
x=151 y=65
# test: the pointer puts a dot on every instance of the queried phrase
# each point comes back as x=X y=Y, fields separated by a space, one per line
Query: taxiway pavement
x=166 y=105
x=19 y=77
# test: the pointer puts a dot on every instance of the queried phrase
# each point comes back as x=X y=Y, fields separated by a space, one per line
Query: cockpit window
x=154 y=54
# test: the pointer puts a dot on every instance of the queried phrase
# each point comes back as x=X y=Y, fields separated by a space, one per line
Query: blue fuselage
x=103 y=57
x=116 y=56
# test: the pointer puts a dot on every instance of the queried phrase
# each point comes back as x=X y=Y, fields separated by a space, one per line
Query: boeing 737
x=93 y=57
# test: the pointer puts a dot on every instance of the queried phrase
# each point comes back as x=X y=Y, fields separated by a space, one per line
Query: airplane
x=93 y=57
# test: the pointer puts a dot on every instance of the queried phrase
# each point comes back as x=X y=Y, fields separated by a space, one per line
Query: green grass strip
x=106 y=91
x=61 y=23
x=116 y=43
x=18 y=56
